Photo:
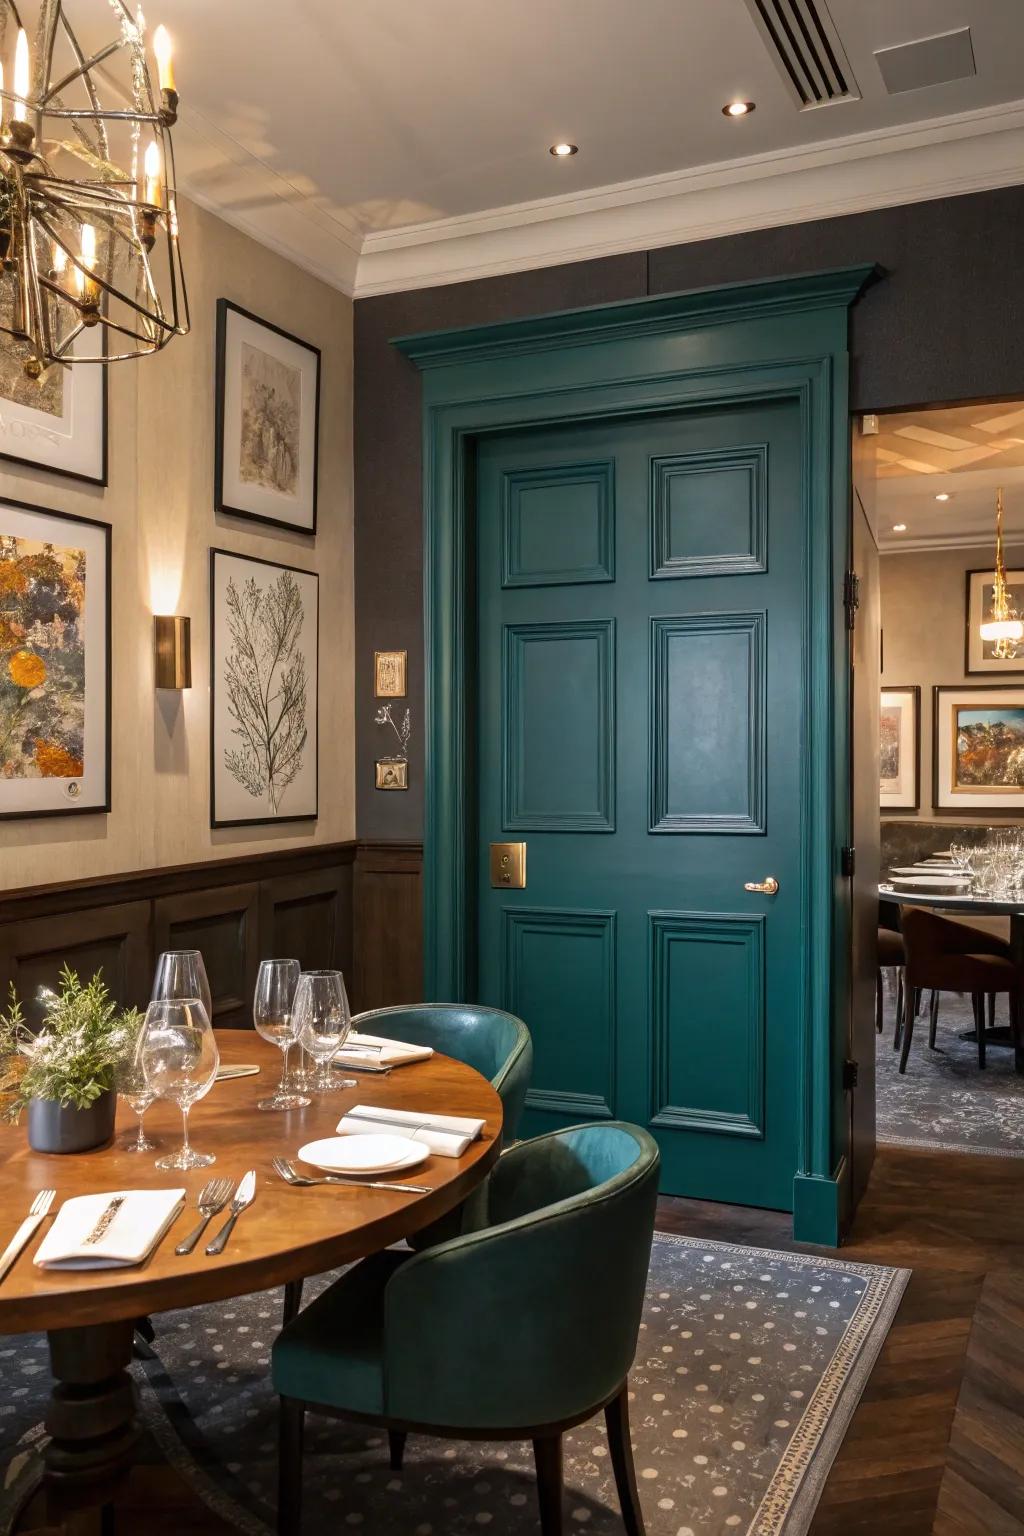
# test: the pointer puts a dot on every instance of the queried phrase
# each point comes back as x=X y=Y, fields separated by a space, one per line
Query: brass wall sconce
x=173 y=651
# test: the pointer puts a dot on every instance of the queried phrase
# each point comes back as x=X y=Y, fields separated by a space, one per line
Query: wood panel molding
x=388 y=924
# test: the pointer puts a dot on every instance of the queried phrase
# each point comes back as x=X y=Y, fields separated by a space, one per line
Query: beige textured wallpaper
x=923 y=630
x=159 y=501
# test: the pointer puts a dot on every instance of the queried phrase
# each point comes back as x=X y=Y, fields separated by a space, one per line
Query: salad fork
x=38 y=1211
x=213 y=1198
x=291 y=1175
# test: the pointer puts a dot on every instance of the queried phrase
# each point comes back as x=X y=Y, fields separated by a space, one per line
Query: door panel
x=641 y=622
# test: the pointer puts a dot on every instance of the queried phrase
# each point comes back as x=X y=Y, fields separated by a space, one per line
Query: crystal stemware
x=179 y=1058
x=274 y=1016
x=324 y=1022
x=180 y=973
x=130 y=1082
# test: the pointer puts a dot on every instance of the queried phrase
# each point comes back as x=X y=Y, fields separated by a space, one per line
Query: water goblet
x=274 y=1016
x=324 y=1022
x=179 y=1058
x=130 y=1082
x=180 y=973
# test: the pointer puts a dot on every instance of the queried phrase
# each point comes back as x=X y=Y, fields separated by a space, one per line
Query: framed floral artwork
x=978 y=749
x=264 y=656
x=59 y=421
x=54 y=662
x=268 y=421
x=900 y=749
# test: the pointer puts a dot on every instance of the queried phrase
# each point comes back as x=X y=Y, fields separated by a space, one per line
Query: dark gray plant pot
x=55 y=1127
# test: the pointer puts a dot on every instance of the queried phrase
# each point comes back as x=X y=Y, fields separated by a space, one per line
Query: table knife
x=244 y=1196
x=20 y=1240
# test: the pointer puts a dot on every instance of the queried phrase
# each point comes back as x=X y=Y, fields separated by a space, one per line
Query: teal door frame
x=783 y=339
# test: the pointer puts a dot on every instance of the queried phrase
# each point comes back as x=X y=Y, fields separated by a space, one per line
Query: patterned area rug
x=749 y=1367
x=943 y=1099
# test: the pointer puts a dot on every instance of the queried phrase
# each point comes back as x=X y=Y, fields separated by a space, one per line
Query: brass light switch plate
x=508 y=865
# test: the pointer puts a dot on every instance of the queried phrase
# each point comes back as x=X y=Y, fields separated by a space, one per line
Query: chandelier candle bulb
x=165 y=73
x=88 y=288
x=154 y=175
x=21 y=77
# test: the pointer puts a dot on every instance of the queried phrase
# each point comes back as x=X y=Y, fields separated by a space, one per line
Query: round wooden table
x=286 y=1234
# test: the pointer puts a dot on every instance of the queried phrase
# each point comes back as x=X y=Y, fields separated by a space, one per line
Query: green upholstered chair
x=521 y=1328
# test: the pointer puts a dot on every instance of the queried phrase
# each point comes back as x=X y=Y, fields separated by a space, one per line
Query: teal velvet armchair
x=520 y=1328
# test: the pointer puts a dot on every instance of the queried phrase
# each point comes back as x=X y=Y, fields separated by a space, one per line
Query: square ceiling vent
x=802 y=39
x=929 y=61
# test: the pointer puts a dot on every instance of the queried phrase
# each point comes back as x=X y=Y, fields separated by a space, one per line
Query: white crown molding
x=948 y=156
x=887 y=545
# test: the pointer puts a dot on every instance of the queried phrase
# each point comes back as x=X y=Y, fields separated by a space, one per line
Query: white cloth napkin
x=375 y=1051
x=446 y=1135
x=130 y=1236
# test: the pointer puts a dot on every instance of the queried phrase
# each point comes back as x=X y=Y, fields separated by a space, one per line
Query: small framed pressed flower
x=54 y=662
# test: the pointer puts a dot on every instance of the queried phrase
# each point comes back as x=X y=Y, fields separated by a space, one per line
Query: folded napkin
x=376 y=1051
x=446 y=1135
x=128 y=1236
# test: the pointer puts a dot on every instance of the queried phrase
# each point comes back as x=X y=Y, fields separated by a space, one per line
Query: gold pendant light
x=1003 y=629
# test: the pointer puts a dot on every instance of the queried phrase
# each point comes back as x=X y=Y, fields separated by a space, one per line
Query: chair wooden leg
x=900 y=1006
x=289 y=1467
x=907 y=1032
x=879 y=1003
x=991 y=1010
x=918 y=1000
x=933 y=1019
x=616 y=1417
x=547 y=1455
x=1017 y=1026
x=292 y=1301
x=396 y=1445
x=978 y=1002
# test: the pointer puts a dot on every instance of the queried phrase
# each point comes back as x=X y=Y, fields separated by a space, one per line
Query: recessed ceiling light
x=942 y=496
x=899 y=527
x=563 y=151
x=739 y=108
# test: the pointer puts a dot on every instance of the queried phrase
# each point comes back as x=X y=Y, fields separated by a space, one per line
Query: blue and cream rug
x=944 y=1099
x=749 y=1367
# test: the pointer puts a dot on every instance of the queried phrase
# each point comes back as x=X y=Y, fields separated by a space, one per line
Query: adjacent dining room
x=511 y=768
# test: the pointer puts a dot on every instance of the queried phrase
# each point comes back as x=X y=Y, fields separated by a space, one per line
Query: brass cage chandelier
x=88 y=219
x=1003 y=629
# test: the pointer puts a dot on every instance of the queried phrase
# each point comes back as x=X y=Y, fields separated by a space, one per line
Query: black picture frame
x=100 y=479
x=257 y=821
x=915 y=689
x=1000 y=669
x=226 y=308
x=95 y=808
x=990 y=812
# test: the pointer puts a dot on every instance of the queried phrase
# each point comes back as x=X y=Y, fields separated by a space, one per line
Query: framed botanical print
x=978 y=657
x=264 y=657
x=54 y=662
x=978 y=749
x=59 y=421
x=268 y=421
x=900 y=749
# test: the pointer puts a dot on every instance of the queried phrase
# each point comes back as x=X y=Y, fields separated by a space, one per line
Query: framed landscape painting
x=900 y=749
x=978 y=737
x=268 y=415
x=59 y=421
x=978 y=657
x=264 y=653
x=54 y=662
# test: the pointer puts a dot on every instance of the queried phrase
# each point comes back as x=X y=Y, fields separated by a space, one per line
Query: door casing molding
x=784 y=339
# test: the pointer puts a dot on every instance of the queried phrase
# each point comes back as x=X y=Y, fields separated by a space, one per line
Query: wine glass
x=275 y=1020
x=179 y=1058
x=324 y=1020
x=130 y=1082
x=180 y=973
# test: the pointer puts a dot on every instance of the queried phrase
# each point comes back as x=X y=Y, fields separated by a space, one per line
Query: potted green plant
x=64 y=1072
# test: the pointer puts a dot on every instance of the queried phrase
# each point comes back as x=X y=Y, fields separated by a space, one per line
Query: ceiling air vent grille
x=802 y=39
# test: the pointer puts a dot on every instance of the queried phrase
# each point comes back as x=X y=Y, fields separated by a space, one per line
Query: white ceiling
x=391 y=142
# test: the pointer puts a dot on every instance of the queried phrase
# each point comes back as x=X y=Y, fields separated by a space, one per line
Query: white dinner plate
x=936 y=882
x=927 y=869
x=364 y=1154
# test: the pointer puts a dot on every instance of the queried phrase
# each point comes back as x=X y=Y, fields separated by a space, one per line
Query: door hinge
x=851 y=1074
x=848 y=861
x=851 y=597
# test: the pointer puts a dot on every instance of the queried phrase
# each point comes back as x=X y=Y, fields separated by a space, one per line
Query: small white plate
x=943 y=870
x=364 y=1154
x=943 y=882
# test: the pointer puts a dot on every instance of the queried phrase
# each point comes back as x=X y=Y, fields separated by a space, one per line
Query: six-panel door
x=641 y=628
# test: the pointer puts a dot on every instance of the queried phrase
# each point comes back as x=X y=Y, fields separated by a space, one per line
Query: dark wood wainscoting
x=235 y=910
x=355 y=906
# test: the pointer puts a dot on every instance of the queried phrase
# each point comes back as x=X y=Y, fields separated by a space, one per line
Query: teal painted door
x=641 y=631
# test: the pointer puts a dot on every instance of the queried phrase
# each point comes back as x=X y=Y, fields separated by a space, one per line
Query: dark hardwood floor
x=936 y=1447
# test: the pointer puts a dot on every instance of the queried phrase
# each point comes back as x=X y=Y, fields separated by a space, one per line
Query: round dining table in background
x=286 y=1234
x=963 y=902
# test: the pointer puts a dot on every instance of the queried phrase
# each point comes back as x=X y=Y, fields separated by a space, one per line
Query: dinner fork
x=38 y=1211
x=243 y=1198
x=291 y=1175
x=213 y=1198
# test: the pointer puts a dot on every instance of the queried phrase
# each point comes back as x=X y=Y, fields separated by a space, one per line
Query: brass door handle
x=763 y=887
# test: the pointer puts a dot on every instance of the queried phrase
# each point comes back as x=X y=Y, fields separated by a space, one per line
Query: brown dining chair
x=945 y=956
x=891 y=957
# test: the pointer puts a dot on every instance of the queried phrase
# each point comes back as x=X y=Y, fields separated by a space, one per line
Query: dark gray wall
x=944 y=325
